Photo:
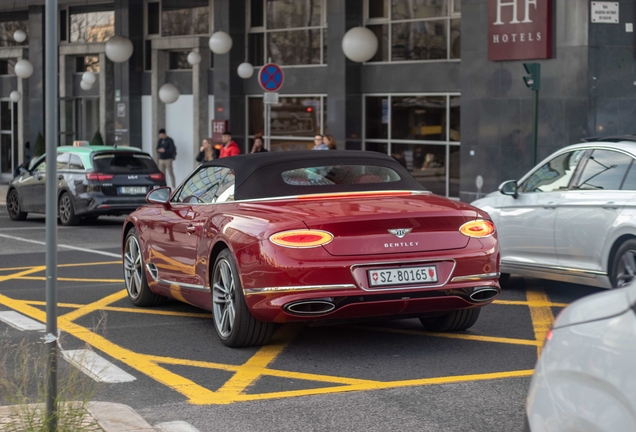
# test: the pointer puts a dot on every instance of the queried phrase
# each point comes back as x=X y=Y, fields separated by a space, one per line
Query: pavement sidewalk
x=102 y=416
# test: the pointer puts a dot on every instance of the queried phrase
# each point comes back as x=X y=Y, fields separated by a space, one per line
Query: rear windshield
x=124 y=163
x=340 y=175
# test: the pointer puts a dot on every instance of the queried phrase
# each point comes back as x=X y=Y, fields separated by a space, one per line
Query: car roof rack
x=615 y=138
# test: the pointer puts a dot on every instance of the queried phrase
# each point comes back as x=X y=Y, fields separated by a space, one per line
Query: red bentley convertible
x=284 y=237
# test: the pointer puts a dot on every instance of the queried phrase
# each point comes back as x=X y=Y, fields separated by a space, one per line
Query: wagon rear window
x=124 y=163
x=339 y=175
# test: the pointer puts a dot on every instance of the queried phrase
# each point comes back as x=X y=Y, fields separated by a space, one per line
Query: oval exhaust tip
x=310 y=307
x=485 y=294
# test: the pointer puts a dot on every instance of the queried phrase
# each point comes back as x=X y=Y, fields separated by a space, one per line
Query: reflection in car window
x=62 y=160
x=75 y=163
x=555 y=175
x=41 y=167
x=630 y=179
x=604 y=170
x=225 y=193
x=339 y=175
x=202 y=186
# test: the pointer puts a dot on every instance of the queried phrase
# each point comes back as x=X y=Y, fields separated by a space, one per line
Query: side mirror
x=509 y=188
x=159 y=196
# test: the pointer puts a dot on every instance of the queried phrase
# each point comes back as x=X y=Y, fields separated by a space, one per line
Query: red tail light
x=478 y=228
x=301 y=238
x=99 y=176
x=157 y=176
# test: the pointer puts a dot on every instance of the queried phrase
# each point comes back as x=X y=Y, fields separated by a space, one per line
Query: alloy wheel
x=223 y=292
x=13 y=205
x=626 y=270
x=133 y=267
x=65 y=208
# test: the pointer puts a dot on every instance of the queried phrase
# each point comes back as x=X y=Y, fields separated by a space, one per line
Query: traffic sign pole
x=271 y=79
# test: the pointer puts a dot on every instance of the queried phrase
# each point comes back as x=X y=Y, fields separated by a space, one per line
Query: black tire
x=456 y=320
x=90 y=219
x=233 y=322
x=137 y=287
x=13 y=206
x=66 y=211
x=623 y=267
x=504 y=280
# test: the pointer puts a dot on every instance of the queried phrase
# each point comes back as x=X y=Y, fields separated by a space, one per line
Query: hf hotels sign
x=519 y=29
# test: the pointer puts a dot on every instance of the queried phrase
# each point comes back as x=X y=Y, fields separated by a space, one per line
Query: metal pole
x=535 y=127
x=268 y=129
x=51 y=135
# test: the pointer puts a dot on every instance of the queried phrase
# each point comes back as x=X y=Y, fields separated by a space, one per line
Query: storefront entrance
x=8 y=138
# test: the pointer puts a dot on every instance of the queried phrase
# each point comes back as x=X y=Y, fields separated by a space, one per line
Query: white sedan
x=585 y=379
x=572 y=218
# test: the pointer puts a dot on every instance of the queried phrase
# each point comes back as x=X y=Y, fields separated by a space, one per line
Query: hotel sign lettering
x=519 y=29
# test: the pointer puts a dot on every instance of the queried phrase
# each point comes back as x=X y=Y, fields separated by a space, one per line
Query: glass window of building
x=91 y=24
x=419 y=131
x=294 y=121
x=88 y=63
x=178 y=60
x=7 y=66
x=409 y=30
x=9 y=23
x=182 y=17
x=290 y=32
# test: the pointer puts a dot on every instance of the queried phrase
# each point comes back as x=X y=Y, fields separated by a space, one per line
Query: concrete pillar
x=23 y=117
x=344 y=98
x=67 y=69
x=106 y=96
x=36 y=81
x=200 y=94
x=229 y=94
x=158 y=78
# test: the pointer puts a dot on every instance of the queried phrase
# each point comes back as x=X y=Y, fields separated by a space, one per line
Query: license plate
x=402 y=276
x=132 y=190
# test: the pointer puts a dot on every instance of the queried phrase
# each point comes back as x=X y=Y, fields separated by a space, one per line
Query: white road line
x=95 y=251
x=175 y=426
x=96 y=367
x=20 y=322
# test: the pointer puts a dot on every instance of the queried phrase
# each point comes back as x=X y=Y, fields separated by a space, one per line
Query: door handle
x=610 y=205
x=191 y=229
x=550 y=205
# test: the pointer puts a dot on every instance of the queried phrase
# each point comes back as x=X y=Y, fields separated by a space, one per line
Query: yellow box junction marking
x=257 y=366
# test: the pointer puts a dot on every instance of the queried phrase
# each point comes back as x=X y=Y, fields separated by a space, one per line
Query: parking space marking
x=471 y=337
x=21 y=322
x=65 y=265
x=65 y=279
x=96 y=367
x=542 y=316
x=245 y=375
x=63 y=246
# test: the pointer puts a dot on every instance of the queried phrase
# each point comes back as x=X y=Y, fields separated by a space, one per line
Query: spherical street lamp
x=118 y=49
x=19 y=36
x=168 y=93
x=220 y=42
x=359 y=44
x=15 y=96
x=194 y=58
x=245 y=70
x=89 y=77
x=23 y=68
x=85 y=86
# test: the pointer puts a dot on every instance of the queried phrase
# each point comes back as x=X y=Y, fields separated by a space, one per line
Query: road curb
x=114 y=417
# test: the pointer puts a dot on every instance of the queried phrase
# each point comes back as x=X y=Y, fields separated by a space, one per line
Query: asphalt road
x=379 y=376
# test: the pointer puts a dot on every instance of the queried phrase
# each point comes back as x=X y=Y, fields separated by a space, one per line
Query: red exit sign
x=519 y=29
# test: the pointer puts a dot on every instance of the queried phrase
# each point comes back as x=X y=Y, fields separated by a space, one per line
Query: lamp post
x=533 y=82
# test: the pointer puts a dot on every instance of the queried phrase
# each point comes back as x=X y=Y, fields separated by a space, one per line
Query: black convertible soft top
x=258 y=175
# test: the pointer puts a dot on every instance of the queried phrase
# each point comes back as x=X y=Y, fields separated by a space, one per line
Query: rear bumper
x=99 y=204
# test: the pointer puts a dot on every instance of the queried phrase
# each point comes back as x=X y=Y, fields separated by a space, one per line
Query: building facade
x=433 y=102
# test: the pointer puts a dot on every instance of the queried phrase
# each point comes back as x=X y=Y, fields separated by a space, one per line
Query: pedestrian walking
x=230 y=148
x=319 y=143
x=330 y=142
x=258 y=146
x=206 y=151
x=167 y=154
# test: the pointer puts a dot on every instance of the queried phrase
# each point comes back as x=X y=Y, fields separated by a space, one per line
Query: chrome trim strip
x=301 y=288
x=400 y=287
x=557 y=268
x=476 y=277
x=156 y=278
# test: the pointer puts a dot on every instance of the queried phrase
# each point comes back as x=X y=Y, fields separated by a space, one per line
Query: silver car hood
x=598 y=306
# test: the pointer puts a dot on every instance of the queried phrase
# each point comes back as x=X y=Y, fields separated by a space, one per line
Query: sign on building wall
x=519 y=29
x=604 y=12
x=219 y=127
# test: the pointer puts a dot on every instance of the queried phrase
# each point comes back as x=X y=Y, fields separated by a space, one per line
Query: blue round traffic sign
x=271 y=77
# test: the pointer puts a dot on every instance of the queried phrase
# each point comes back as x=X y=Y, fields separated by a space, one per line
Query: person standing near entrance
x=230 y=148
x=167 y=154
